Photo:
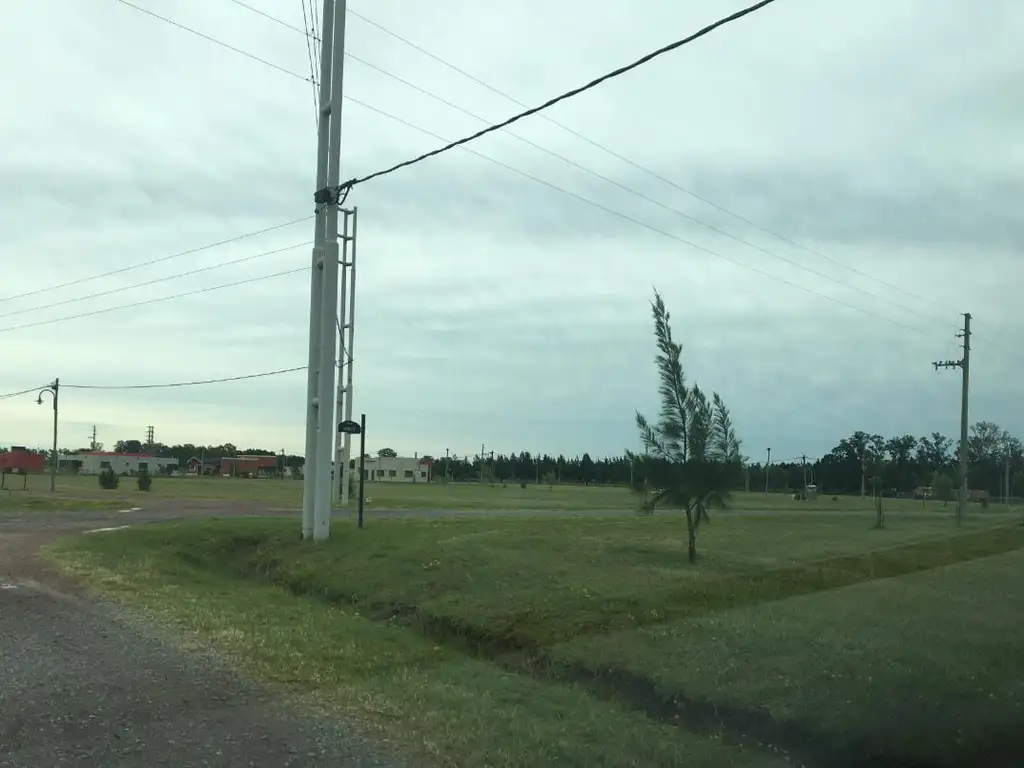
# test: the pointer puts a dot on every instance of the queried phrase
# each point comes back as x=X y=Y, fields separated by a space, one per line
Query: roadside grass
x=436 y=704
x=926 y=669
x=14 y=502
x=589 y=641
x=525 y=584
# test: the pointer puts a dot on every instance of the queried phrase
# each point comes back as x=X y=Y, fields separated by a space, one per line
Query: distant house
x=94 y=462
x=395 y=469
x=251 y=466
x=20 y=460
x=203 y=466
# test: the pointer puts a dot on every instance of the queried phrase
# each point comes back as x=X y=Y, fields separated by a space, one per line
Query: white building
x=94 y=462
x=394 y=469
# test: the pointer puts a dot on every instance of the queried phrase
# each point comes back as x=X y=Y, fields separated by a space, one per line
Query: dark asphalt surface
x=84 y=683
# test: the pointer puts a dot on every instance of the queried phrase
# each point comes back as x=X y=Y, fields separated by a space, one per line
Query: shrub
x=109 y=479
x=145 y=481
x=523 y=485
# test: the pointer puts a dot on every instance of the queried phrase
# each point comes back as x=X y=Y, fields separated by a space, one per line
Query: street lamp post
x=54 y=390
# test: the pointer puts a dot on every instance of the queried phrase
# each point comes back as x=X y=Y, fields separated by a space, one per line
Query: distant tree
x=935 y=451
x=943 y=487
x=387 y=453
x=128 y=446
x=586 y=469
x=692 y=458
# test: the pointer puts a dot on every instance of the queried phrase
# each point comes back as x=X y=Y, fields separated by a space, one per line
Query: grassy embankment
x=585 y=641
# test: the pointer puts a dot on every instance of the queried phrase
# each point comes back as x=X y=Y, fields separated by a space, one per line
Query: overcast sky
x=885 y=137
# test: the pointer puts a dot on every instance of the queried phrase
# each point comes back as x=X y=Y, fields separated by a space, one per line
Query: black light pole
x=362 y=457
x=53 y=389
x=358 y=428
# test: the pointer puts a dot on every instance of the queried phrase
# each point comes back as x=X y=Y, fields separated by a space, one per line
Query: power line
x=644 y=169
x=214 y=40
x=310 y=56
x=646 y=197
x=185 y=383
x=563 y=97
x=22 y=392
x=158 y=260
x=607 y=179
x=274 y=19
x=157 y=280
x=153 y=301
x=551 y=102
x=343 y=189
x=645 y=225
x=584 y=168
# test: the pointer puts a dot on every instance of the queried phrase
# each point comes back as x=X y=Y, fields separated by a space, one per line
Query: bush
x=109 y=479
x=523 y=485
x=145 y=481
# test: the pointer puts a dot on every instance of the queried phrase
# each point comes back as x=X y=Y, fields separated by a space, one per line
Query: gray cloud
x=493 y=308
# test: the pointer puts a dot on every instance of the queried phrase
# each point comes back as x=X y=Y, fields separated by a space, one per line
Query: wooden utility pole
x=803 y=464
x=767 y=471
x=964 y=364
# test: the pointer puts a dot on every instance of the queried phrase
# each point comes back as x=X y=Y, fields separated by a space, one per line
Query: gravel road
x=84 y=683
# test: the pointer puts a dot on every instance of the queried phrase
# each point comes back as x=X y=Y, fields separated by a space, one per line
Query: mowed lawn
x=286 y=495
x=798 y=639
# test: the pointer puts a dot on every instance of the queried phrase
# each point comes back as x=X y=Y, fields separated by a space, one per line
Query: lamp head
x=39 y=400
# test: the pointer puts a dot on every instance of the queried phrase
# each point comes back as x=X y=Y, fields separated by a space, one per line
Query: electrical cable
x=644 y=169
x=587 y=170
x=33 y=390
x=158 y=260
x=557 y=99
x=648 y=198
x=185 y=383
x=310 y=45
x=275 y=19
x=214 y=40
x=153 y=301
x=343 y=189
x=132 y=287
x=645 y=225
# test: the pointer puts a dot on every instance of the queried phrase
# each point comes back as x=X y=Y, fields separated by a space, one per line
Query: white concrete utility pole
x=321 y=428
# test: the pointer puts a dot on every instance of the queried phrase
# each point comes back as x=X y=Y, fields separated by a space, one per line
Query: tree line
x=864 y=462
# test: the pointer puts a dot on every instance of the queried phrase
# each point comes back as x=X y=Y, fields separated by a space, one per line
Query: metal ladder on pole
x=346 y=333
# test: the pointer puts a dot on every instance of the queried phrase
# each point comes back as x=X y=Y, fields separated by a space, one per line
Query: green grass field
x=799 y=638
x=287 y=495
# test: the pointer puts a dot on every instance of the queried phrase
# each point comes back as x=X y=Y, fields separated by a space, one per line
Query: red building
x=20 y=460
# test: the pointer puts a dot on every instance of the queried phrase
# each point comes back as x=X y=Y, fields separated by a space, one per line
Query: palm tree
x=691 y=458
